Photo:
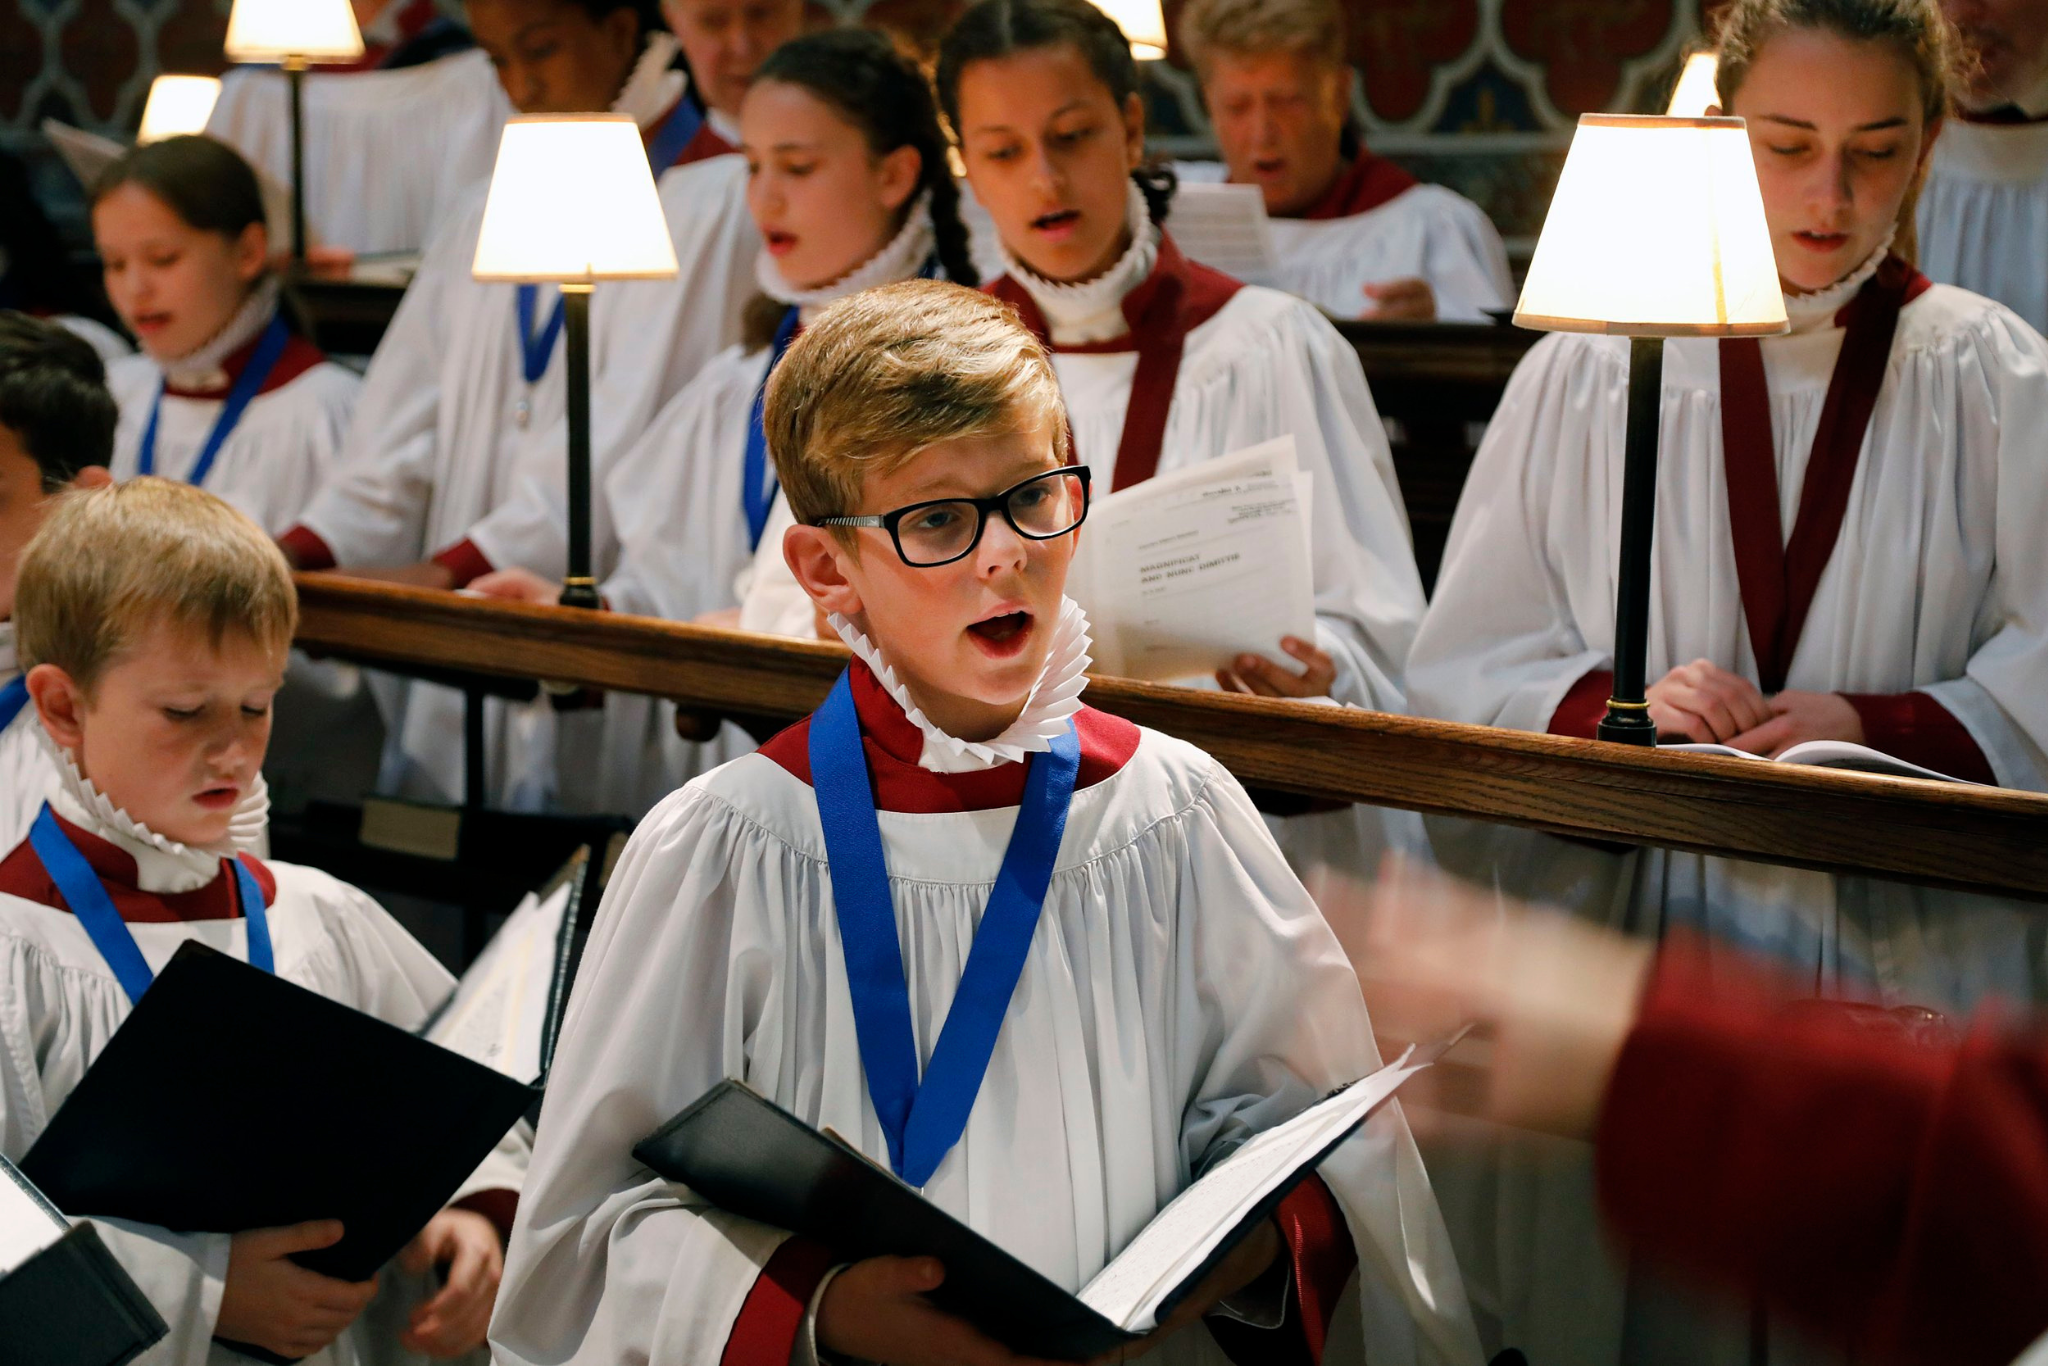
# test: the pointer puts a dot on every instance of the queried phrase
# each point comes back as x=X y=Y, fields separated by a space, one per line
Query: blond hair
x=1916 y=29
x=1313 y=28
x=892 y=371
x=109 y=563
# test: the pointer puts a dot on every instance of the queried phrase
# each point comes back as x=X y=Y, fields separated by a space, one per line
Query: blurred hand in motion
x=1555 y=998
x=1400 y=301
x=517 y=585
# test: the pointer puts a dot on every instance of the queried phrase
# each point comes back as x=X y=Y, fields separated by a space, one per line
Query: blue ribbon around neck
x=80 y=887
x=247 y=385
x=757 y=491
x=13 y=698
x=922 y=1122
x=534 y=351
x=676 y=133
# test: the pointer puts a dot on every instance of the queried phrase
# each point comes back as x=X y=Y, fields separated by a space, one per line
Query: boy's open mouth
x=216 y=798
x=1002 y=636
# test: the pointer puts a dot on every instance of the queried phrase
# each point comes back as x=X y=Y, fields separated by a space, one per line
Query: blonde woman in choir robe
x=56 y=434
x=154 y=621
x=457 y=465
x=1164 y=987
x=226 y=393
x=849 y=185
x=1356 y=235
x=1984 y=211
x=1848 y=547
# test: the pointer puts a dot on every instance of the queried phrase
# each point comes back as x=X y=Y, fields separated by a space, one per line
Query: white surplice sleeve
x=609 y=1262
x=372 y=508
x=1280 y=1024
x=1998 y=383
x=1499 y=645
x=25 y=774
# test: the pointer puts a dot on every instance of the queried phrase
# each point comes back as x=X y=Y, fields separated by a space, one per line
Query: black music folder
x=755 y=1159
x=64 y=1300
x=231 y=1099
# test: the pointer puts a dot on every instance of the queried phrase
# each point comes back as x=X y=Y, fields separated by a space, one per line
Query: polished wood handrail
x=1943 y=834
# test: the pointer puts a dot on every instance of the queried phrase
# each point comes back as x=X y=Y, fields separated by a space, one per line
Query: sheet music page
x=1225 y=227
x=498 y=1015
x=1182 y=573
x=28 y=1223
x=1180 y=1238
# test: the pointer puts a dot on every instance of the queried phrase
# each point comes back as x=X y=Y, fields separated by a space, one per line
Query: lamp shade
x=177 y=104
x=1143 y=23
x=309 y=30
x=1695 y=94
x=572 y=199
x=1657 y=230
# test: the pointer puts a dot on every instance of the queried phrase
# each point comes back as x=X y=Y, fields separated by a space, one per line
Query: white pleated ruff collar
x=1054 y=699
x=204 y=366
x=162 y=865
x=654 y=84
x=1811 y=312
x=900 y=259
x=1093 y=310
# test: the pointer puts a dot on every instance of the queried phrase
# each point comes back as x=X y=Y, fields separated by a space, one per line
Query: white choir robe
x=25 y=768
x=389 y=154
x=1937 y=583
x=1426 y=232
x=276 y=456
x=1266 y=365
x=60 y=1004
x=1984 y=214
x=1181 y=993
x=438 y=464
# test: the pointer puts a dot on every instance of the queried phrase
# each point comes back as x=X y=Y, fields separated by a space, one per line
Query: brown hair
x=892 y=371
x=1916 y=29
x=1314 y=28
x=110 y=562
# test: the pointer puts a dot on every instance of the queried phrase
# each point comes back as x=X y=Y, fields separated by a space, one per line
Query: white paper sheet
x=1184 y=572
x=1225 y=228
x=498 y=1015
x=28 y=1223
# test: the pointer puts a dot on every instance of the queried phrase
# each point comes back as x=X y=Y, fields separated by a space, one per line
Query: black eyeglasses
x=928 y=535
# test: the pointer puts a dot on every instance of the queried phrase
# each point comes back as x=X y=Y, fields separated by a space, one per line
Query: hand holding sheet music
x=1186 y=571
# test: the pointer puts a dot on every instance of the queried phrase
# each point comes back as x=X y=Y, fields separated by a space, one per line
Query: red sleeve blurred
x=1889 y=1191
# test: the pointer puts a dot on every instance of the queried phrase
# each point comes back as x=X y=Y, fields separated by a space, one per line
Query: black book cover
x=231 y=1099
x=72 y=1305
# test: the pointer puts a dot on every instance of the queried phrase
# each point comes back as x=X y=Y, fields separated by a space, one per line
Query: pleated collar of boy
x=162 y=865
x=1054 y=699
x=1811 y=312
x=654 y=84
x=901 y=259
x=204 y=368
x=1092 y=310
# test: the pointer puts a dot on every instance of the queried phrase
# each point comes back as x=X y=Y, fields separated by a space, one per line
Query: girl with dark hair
x=1848 y=549
x=225 y=393
x=457 y=465
x=849 y=185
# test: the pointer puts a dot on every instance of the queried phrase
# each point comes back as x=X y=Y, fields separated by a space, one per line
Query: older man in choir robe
x=1984 y=212
x=1355 y=234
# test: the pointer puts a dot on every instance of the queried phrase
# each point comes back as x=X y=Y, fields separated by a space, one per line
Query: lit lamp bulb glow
x=177 y=105
x=293 y=31
x=1143 y=23
x=1695 y=92
x=1657 y=230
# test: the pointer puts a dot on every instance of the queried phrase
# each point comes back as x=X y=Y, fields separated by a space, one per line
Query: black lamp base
x=580 y=593
x=1628 y=726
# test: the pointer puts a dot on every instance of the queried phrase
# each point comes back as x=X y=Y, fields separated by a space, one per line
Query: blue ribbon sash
x=13 y=698
x=80 y=887
x=247 y=385
x=676 y=132
x=758 y=487
x=922 y=1122
x=536 y=349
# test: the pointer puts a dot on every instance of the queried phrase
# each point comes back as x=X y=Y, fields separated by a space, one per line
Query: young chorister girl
x=1847 y=543
x=1165 y=363
x=225 y=393
x=457 y=465
x=850 y=188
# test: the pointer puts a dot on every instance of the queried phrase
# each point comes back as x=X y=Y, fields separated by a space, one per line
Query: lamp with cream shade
x=572 y=201
x=294 y=34
x=1657 y=230
x=1143 y=23
x=177 y=105
x=1695 y=92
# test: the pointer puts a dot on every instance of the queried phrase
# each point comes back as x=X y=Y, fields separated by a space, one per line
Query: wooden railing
x=1942 y=834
